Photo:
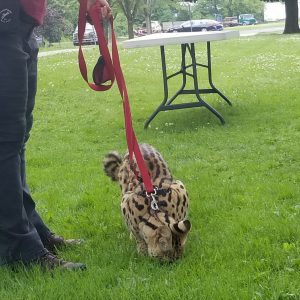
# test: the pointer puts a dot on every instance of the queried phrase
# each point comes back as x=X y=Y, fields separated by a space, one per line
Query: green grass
x=242 y=178
x=66 y=44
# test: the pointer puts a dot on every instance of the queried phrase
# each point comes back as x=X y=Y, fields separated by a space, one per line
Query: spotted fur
x=161 y=233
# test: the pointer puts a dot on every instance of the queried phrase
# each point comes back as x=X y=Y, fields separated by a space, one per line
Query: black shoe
x=55 y=242
x=49 y=262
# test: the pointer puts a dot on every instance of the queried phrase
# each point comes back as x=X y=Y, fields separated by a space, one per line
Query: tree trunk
x=130 y=29
x=148 y=21
x=291 y=20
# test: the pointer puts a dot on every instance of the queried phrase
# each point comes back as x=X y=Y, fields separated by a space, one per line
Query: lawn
x=243 y=178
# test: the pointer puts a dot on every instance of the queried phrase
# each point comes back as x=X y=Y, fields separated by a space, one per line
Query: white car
x=155 y=26
x=89 y=38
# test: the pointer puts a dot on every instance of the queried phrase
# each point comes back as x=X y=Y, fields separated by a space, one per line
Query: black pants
x=21 y=228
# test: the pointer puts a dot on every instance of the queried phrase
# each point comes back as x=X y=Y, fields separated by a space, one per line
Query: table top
x=161 y=39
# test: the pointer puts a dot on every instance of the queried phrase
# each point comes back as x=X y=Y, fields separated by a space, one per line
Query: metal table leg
x=196 y=88
x=166 y=89
x=210 y=75
x=167 y=103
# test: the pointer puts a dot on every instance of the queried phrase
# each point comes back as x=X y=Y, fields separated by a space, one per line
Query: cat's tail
x=111 y=164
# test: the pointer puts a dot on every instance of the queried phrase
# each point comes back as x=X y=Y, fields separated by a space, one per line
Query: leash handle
x=94 y=14
x=115 y=72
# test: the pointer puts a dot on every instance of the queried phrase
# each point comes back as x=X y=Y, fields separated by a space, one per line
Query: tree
x=130 y=9
x=208 y=8
x=236 y=7
x=60 y=19
x=52 y=29
x=212 y=8
x=292 y=16
x=68 y=10
x=155 y=10
x=147 y=10
x=164 y=10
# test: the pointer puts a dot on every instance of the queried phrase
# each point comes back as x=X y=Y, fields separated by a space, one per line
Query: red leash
x=108 y=69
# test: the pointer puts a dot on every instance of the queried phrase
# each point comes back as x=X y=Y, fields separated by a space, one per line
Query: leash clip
x=154 y=203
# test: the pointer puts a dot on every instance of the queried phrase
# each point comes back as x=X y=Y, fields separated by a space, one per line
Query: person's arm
x=105 y=8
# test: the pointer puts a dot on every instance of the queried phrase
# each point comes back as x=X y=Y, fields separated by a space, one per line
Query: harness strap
x=159 y=192
x=112 y=66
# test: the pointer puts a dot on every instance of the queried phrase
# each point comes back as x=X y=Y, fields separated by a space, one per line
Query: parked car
x=155 y=26
x=247 y=19
x=140 y=32
x=197 y=25
x=230 y=21
x=89 y=38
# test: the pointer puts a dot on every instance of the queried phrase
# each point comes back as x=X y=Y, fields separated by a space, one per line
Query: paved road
x=249 y=32
x=53 y=52
x=252 y=32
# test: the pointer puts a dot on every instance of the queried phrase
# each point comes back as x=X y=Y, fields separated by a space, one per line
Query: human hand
x=105 y=8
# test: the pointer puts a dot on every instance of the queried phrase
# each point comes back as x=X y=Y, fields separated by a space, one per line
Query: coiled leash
x=106 y=71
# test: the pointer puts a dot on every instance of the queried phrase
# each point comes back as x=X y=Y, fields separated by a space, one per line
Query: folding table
x=187 y=42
